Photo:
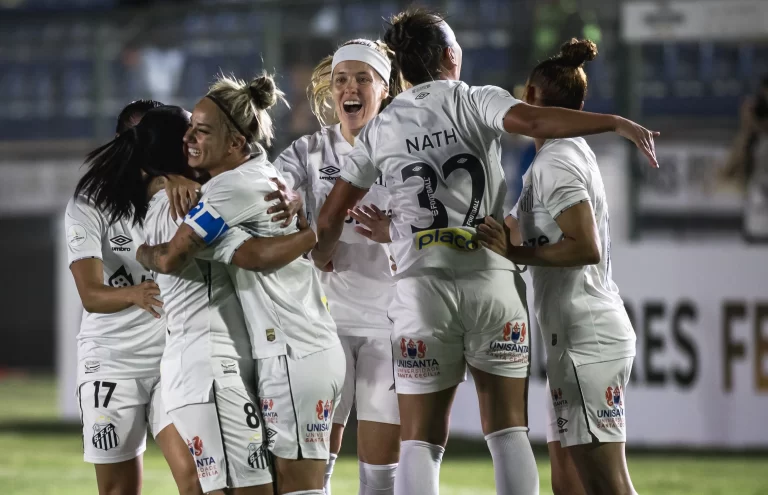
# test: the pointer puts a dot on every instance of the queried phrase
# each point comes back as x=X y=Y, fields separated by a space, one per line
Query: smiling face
x=208 y=143
x=358 y=92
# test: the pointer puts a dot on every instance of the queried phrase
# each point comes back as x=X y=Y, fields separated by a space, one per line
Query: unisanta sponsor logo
x=557 y=398
x=415 y=363
x=206 y=465
x=320 y=431
x=614 y=416
x=512 y=346
x=267 y=413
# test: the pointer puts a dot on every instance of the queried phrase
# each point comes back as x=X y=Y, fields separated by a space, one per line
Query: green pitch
x=48 y=461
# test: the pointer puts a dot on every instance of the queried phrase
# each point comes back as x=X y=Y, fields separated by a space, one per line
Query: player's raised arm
x=343 y=197
x=170 y=257
x=553 y=122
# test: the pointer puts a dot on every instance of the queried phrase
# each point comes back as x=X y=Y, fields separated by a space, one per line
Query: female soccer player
x=353 y=85
x=562 y=222
x=437 y=146
x=300 y=362
x=122 y=334
x=208 y=373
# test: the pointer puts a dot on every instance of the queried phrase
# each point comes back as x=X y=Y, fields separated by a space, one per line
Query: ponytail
x=114 y=176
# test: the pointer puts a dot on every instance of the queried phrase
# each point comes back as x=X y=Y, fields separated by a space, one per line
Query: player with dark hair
x=437 y=147
x=133 y=112
x=122 y=334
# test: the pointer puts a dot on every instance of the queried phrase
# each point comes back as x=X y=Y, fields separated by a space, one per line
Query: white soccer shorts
x=588 y=401
x=226 y=437
x=442 y=321
x=115 y=415
x=298 y=397
x=369 y=383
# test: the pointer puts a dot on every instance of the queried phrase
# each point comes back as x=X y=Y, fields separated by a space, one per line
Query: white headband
x=363 y=53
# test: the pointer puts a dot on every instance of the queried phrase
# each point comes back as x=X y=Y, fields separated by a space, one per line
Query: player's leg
x=342 y=411
x=198 y=425
x=565 y=477
x=114 y=433
x=172 y=446
x=498 y=354
x=244 y=437
x=378 y=426
x=429 y=364
x=304 y=392
x=596 y=401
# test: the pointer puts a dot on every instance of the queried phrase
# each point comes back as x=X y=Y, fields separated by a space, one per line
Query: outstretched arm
x=553 y=122
x=170 y=257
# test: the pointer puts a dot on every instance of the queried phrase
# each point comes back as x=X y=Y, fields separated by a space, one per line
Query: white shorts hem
x=114 y=459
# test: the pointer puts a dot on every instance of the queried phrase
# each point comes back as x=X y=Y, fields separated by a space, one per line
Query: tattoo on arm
x=171 y=256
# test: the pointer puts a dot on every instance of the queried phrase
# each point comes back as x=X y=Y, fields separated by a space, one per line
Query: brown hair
x=245 y=106
x=320 y=93
x=561 y=80
x=419 y=39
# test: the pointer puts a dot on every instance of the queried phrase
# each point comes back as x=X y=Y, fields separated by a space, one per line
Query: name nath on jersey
x=420 y=143
x=453 y=237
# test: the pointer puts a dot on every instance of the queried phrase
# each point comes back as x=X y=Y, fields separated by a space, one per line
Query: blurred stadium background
x=688 y=239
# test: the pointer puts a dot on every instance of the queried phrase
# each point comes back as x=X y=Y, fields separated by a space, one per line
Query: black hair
x=561 y=80
x=114 y=182
x=418 y=38
x=133 y=112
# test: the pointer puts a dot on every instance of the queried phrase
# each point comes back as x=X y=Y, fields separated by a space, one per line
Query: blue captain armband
x=206 y=222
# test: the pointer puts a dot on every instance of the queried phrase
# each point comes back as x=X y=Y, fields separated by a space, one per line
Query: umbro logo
x=329 y=172
x=561 y=422
x=120 y=241
x=421 y=96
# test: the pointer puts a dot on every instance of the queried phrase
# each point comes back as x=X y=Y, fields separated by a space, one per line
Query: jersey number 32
x=427 y=199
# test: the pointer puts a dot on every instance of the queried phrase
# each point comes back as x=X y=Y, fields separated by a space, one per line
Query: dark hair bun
x=576 y=52
x=263 y=92
x=397 y=37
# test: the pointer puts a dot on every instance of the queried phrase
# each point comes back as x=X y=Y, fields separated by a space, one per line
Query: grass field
x=40 y=458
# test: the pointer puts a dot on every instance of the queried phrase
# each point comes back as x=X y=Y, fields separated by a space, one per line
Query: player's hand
x=301 y=219
x=289 y=205
x=143 y=296
x=492 y=235
x=182 y=193
x=376 y=223
x=642 y=137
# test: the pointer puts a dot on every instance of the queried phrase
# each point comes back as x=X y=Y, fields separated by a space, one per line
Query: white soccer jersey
x=438 y=148
x=206 y=329
x=284 y=309
x=578 y=308
x=122 y=345
x=360 y=288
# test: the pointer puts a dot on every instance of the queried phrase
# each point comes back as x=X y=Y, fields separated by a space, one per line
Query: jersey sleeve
x=491 y=104
x=513 y=212
x=227 y=203
x=559 y=183
x=292 y=163
x=223 y=250
x=358 y=166
x=84 y=226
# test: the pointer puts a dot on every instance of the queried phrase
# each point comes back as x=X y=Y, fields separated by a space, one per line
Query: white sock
x=377 y=479
x=328 y=472
x=513 y=464
x=418 y=471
